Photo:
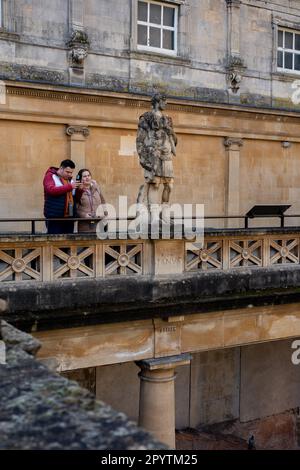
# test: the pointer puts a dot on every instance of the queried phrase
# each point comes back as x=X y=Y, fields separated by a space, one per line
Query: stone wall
x=242 y=385
x=34 y=46
x=228 y=176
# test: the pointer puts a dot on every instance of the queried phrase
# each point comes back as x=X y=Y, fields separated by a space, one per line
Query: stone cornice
x=69 y=94
x=10 y=36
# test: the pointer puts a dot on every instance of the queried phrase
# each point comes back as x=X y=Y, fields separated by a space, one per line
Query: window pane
x=142 y=35
x=169 y=14
x=297 y=62
x=154 y=37
x=279 y=59
x=142 y=11
x=297 y=42
x=288 y=60
x=280 y=38
x=168 y=39
x=155 y=13
x=288 y=40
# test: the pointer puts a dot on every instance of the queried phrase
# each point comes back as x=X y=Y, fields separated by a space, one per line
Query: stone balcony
x=42 y=258
x=52 y=279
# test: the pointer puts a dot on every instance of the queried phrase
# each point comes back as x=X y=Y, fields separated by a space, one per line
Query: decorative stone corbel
x=235 y=69
x=79 y=45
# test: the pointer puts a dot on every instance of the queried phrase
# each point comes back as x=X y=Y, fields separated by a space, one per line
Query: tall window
x=1 y=20
x=288 y=52
x=157 y=27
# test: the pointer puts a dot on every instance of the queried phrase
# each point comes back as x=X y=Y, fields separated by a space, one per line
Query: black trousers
x=57 y=227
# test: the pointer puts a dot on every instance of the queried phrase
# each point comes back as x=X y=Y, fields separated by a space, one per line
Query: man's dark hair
x=67 y=163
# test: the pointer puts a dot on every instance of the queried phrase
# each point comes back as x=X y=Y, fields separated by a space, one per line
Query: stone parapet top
x=208 y=231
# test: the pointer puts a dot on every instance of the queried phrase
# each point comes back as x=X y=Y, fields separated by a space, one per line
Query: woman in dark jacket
x=88 y=198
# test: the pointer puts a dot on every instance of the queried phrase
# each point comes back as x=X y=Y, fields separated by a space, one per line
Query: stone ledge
x=13 y=237
x=8 y=35
x=161 y=58
x=71 y=303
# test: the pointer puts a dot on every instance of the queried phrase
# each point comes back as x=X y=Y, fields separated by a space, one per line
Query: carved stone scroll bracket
x=235 y=68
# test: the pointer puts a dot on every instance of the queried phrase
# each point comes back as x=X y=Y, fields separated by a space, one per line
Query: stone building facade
x=218 y=51
x=77 y=74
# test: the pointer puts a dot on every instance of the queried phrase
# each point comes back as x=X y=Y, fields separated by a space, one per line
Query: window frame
x=284 y=49
x=159 y=50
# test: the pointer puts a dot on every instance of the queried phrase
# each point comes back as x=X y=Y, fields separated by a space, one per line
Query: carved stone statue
x=78 y=55
x=79 y=44
x=156 y=146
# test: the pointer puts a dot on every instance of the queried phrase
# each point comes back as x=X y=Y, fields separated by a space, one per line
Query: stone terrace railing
x=49 y=258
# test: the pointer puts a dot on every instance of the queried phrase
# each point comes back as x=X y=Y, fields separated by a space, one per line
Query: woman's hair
x=79 y=174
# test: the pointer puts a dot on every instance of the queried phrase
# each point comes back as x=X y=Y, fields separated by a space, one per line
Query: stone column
x=76 y=13
x=8 y=15
x=233 y=21
x=157 y=396
x=78 y=43
x=232 y=183
x=184 y=28
x=78 y=135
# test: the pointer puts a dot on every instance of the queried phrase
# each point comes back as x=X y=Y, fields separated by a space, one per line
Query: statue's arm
x=140 y=140
x=171 y=131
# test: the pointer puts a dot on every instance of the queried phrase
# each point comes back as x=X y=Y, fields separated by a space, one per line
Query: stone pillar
x=78 y=135
x=76 y=13
x=157 y=396
x=78 y=43
x=232 y=183
x=8 y=15
x=184 y=28
x=233 y=31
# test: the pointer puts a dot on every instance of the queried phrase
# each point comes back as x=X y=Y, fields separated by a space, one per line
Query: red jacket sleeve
x=78 y=194
x=53 y=190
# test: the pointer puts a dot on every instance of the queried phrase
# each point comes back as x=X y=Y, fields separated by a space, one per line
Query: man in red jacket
x=59 y=203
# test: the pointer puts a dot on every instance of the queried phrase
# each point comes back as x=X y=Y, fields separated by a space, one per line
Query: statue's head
x=159 y=100
x=79 y=54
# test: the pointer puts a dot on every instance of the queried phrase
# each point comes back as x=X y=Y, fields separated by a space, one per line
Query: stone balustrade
x=45 y=258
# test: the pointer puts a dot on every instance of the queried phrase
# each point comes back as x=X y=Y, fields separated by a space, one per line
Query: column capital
x=168 y=362
x=71 y=130
x=233 y=142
